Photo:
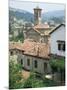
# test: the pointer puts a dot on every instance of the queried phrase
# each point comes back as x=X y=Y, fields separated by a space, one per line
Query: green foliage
x=17 y=38
x=34 y=82
x=58 y=63
x=20 y=37
x=15 y=76
x=16 y=81
x=28 y=17
x=49 y=83
x=28 y=82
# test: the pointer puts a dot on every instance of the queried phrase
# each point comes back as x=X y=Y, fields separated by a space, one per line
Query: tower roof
x=37 y=8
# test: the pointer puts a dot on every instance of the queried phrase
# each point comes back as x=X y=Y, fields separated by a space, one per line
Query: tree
x=33 y=82
x=53 y=67
x=10 y=30
x=15 y=75
x=58 y=65
x=20 y=37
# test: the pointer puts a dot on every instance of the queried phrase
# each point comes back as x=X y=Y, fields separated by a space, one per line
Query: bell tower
x=37 y=15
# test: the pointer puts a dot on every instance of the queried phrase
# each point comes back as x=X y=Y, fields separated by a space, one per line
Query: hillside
x=20 y=14
x=57 y=16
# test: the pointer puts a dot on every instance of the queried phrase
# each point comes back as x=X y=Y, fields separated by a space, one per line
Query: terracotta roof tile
x=15 y=45
x=47 y=32
x=32 y=48
x=41 y=26
x=36 y=49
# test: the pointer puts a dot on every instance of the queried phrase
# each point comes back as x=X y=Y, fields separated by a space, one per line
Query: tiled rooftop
x=42 y=26
x=32 y=48
x=15 y=45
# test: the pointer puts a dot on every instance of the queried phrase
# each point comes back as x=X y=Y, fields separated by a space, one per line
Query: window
x=21 y=61
x=61 y=45
x=35 y=64
x=28 y=62
x=16 y=52
x=45 y=66
x=11 y=52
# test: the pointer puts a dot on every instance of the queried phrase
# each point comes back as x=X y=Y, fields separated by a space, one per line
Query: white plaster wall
x=57 y=35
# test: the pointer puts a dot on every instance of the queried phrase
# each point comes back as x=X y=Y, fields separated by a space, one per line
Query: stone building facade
x=39 y=32
x=32 y=56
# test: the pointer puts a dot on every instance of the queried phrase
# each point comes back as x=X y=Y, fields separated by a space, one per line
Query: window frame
x=44 y=66
x=28 y=62
x=21 y=61
x=35 y=64
x=11 y=53
x=61 y=45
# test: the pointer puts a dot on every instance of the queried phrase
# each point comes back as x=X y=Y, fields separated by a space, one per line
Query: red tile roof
x=46 y=32
x=32 y=48
x=15 y=45
x=41 y=26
